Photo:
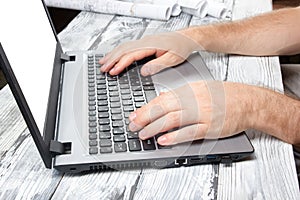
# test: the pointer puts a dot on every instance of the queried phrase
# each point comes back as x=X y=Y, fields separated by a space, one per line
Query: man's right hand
x=170 y=49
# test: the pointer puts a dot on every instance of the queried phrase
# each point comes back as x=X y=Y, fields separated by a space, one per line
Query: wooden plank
x=12 y=123
x=82 y=31
x=270 y=173
x=197 y=182
x=100 y=185
x=23 y=174
x=121 y=29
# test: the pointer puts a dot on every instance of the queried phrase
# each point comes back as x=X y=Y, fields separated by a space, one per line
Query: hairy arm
x=275 y=114
x=273 y=33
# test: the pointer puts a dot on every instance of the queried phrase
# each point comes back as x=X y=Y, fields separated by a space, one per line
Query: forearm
x=274 y=33
x=275 y=114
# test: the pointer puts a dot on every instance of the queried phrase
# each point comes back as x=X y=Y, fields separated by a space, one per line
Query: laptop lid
x=30 y=45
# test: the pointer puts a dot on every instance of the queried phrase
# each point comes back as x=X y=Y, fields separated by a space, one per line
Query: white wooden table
x=269 y=174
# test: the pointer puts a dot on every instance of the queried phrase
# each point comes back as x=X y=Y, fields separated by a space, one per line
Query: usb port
x=211 y=158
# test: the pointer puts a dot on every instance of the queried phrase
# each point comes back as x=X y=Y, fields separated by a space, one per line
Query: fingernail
x=133 y=127
x=112 y=70
x=143 y=134
x=132 y=116
x=162 y=140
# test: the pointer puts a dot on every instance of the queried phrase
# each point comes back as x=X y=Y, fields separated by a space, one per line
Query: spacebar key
x=150 y=94
x=148 y=144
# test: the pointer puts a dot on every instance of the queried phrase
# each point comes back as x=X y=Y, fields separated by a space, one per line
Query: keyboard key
x=115 y=105
x=128 y=108
x=124 y=86
x=126 y=114
x=114 y=99
x=101 y=92
x=116 y=117
x=137 y=93
x=93 y=143
x=125 y=91
x=92 y=98
x=104 y=128
x=93 y=136
x=139 y=104
x=136 y=88
x=91 y=89
x=119 y=138
x=102 y=97
x=105 y=143
x=104 y=121
x=127 y=103
x=91 y=94
x=126 y=97
x=112 y=78
x=132 y=135
x=101 y=87
x=105 y=150
x=118 y=131
x=93 y=130
x=92 y=118
x=103 y=103
x=103 y=115
x=116 y=111
x=92 y=124
x=101 y=82
x=92 y=103
x=93 y=150
x=113 y=83
x=103 y=109
x=113 y=88
x=92 y=113
x=134 y=145
x=117 y=124
x=148 y=144
x=104 y=135
x=150 y=87
x=92 y=108
x=120 y=147
x=113 y=94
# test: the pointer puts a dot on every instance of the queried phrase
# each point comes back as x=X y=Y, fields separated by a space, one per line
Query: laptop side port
x=212 y=158
x=196 y=160
x=181 y=162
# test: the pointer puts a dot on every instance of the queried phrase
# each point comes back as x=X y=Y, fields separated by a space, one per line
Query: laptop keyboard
x=110 y=101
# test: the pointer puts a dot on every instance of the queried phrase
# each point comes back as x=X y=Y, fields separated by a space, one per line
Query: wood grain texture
x=82 y=32
x=270 y=173
x=12 y=123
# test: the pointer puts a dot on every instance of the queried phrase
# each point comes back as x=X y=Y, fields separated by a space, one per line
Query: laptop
x=78 y=116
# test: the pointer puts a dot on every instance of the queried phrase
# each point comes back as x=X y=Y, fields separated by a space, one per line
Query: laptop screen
x=29 y=43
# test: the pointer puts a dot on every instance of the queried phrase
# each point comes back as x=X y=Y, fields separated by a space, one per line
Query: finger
x=152 y=111
x=185 y=134
x=129 y=58
x=105 y=58
x=160 y=63
x=167 y=122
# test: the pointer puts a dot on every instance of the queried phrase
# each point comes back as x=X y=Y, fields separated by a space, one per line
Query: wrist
x=198 y=35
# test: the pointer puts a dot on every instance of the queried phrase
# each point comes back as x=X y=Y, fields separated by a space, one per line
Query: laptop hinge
x=58 y=148
x=66 y=58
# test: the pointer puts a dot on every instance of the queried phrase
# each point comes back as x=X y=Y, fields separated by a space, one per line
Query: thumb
x=160 y=63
